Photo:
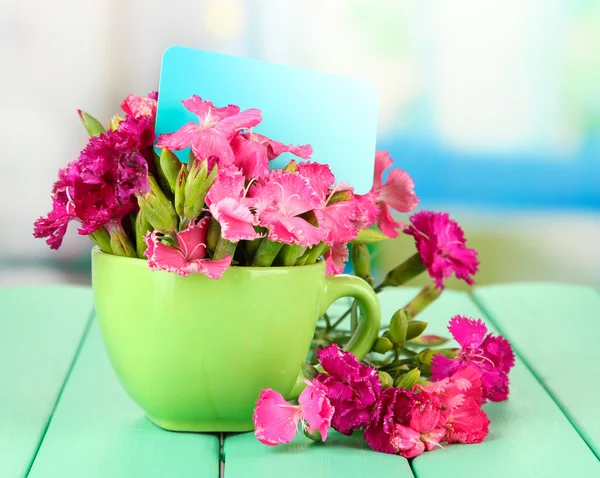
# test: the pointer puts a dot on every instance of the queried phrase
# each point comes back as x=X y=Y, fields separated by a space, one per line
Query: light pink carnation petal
x=319 y=176
x=236 y=220
x=382 y=162
x=406 y=441
x=290 y=230
x=180 y=139
x=292 y=192
x=386 y=222
x=228 y=184
x=336 y=258
x=243 y=120
x=433 y=438
x=250 y=157
x=210 y=142
x=316 y=408
x=137 y=106
x=368 y=211
x=192 y=240
x=275 y=420
x=467 y=332
x=213 y=269
x=338 y=219
x=276 y=148
x=163 y=257
x=207 y=111
x=398 y=191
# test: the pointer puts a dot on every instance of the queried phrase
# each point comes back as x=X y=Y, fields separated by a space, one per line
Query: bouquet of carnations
x=225 y=207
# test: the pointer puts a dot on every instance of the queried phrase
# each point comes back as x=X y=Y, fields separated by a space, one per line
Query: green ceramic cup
x=194 y=353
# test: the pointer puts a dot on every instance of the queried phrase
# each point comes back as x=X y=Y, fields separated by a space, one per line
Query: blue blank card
x=334 y=114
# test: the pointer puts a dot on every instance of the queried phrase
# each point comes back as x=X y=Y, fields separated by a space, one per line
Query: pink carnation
x=228 y=204
x=442 y=246
x=188 y=256
x=492 y=355
x=254 y=151
x=276 y=421
x=405 y=423
x=352 y=388
x=280 y=200
x=397 y=193
x=411 y=422
x=213 y=132
x=97 y=188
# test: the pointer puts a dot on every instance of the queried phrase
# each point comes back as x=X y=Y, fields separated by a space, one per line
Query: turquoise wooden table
x=63 y=413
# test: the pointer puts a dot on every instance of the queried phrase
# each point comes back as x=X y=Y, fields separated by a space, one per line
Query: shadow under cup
x=194 y=353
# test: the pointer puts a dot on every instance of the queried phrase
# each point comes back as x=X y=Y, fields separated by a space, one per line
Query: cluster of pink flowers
x=302 y=205
x=98 y=188
x=348 y=396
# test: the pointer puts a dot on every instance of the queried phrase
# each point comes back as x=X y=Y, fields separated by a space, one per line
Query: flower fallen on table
x=492 y=355
x=407 y=419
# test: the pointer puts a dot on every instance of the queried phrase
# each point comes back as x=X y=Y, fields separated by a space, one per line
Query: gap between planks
x=484 y=310
x=84 y=334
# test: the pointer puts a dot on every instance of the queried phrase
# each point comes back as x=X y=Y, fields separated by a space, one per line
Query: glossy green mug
x=194 y=353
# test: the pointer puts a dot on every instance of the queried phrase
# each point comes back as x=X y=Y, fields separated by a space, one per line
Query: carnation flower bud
x=340 y=196
x=291 y=167
x=180 y=190
x=408 y=380
x=92 y=125
x=170 y=167
x=415 y=328
x=383 y=345
x=361 y=260
x=399 y=327
x=114 y=123
x=369 y=236
x=386 y=379
x=119 y=242
x=157 y=209
x=196 y=187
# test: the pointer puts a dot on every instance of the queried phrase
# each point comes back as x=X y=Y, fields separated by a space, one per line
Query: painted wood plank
x=40 y=330
x=556 y=329
x=98 y=431
x=529 y=434
x=348 y=457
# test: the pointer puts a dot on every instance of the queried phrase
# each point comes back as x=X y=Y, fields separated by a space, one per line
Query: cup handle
x=369 y=321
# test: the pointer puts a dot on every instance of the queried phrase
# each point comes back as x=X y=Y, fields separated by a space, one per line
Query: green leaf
x=369 y=236
x=91 y=124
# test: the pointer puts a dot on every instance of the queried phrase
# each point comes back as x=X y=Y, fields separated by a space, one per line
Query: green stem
x=224 y=248
x=287 y=255
x=213 y=235
x=313 y=254
x=424 y=298
x=409 y=269
x=266 y=253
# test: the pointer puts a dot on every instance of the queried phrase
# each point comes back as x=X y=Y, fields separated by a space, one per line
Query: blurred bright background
x=492 y=106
